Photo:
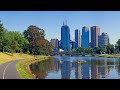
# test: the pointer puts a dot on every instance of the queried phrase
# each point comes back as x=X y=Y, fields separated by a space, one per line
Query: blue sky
x=51 y=21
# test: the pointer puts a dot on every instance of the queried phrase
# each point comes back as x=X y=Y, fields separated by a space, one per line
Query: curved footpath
x=8 y=70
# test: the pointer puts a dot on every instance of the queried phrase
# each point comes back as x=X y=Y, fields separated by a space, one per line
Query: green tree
x=2 y=33
x=37 y=41
x=17 y=42
x=110 y=49
x=80 y=50
x=88 y=50
x=117 y=46
x=98 y=50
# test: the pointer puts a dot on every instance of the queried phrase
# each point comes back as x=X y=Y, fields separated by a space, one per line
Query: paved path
x=8 y=70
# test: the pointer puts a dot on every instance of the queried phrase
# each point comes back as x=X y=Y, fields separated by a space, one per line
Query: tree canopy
x=30 y=41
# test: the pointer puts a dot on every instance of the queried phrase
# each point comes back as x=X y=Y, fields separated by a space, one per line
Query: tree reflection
x=119 y=66
x=41 y=69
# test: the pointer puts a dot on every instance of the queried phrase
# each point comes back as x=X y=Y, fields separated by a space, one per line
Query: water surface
x=66 y=67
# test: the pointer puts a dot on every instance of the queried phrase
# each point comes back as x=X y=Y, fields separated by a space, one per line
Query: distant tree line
x=109 y=49
x=31 y=41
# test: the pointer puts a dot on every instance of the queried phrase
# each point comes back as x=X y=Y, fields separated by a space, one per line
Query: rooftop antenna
x=66 y=22
x=63 y=23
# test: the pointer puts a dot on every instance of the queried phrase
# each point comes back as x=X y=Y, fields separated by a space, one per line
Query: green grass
x=23 y=69
x=6 y=57
x=109 y=55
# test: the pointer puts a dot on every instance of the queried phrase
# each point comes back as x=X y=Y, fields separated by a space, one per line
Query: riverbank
x=6 y=57
x=109 y=55
x=23 y=66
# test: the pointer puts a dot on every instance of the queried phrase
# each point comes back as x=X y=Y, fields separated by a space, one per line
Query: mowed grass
x=110 y=55
x=6 y=57
x=23 y=66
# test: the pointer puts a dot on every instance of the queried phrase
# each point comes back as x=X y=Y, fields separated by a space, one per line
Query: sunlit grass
x=6 y=57
x=23 y=67
x=110 y=55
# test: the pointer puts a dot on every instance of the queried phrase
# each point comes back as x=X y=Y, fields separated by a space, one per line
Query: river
x=75 y=67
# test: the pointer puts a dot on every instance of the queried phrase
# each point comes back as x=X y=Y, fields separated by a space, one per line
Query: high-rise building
x=108 y=40
x=85 y=37
x=73 y=45
x=55 y=43
x=95 y=31
x=103 y=40
x=77 y=38
x=59 y=44
x=65 y=37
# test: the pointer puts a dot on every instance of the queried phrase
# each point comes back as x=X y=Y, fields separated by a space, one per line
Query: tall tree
x=117 y=46
x=36 y=38
x=98 y=50
x=110 y=48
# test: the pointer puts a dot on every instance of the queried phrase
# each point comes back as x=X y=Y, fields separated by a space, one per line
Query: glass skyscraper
x=77 y=38
x=65 y=38
x=85 y=37
x=95 y=31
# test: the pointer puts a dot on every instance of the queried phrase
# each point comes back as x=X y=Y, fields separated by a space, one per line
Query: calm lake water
x=66 y=67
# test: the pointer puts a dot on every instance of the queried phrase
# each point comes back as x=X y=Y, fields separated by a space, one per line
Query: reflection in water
x=85 y=71
x=77 y=66
x=103 y=70
x=65 y=69
x=94 y=68
x=119 y=67
x=41 y=69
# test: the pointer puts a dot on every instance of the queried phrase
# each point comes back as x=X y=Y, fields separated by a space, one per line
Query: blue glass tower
x=85 y=37
x=77 y=38
x=65 y=38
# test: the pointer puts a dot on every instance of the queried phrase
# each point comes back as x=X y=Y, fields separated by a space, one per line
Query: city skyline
x=108 y=21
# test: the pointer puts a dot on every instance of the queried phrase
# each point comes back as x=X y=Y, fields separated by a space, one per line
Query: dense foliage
x=110 y=49
x=37 y=42
x=31 y=41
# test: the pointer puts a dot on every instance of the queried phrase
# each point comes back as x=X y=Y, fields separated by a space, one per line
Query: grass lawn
x=22 y=66
x=109 y=55
x=6 y=57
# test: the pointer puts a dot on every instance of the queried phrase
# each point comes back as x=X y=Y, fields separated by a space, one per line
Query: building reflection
x=94 y=69
x=66 y=69
x=103 y=68
x=56 y=65
x=110 y=65
x=85 y=71
x=77 y=66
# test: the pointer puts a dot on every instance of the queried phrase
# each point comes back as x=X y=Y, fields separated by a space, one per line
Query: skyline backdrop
x=51 y=21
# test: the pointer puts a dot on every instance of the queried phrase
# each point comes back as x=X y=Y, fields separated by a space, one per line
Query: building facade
x=73 y=45
x=65 y=38
x=77 y=38
x=103 y=40
x=55 y=43
x=95 y=31
x=85 y=37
